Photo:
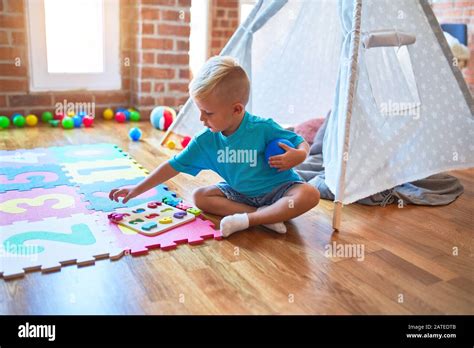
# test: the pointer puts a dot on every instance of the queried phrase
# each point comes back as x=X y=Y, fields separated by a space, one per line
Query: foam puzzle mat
x=54 y=205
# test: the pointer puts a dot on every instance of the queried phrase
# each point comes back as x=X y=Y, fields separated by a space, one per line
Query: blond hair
x=223 y=76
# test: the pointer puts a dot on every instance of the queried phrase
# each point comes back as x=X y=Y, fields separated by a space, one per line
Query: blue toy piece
x=273 y=149
x=127 y=114
x=77 y=121
x=135 y=134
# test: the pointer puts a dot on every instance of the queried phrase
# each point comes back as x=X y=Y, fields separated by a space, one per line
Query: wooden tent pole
x=336 y=216
x=336 y=219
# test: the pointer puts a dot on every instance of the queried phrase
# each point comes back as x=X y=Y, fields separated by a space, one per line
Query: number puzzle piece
x=138 y=211
x=28 y=177
x=194 y=211
x=37 y=204
x=183 y=206
x=89 y=172
x=135 y=221
x=153 y=205
x=149 y=226
x=171 y=201
x=180 y=215
x=152 y=216
x=165 y=220
x=115 y=217
x=81 y=235
x=47 y=244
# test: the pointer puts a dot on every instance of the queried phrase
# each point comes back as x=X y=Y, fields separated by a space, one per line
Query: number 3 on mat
x=12 y=206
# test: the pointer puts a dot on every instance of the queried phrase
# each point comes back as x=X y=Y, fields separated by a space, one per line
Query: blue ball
x=273 y=149
x=77 y=121
x=82 y=114
x=135 y=134
x=127 y=115
x=120 y=110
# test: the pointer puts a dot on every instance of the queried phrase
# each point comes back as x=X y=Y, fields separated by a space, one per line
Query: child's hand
x=292 y=157
x=126 y=193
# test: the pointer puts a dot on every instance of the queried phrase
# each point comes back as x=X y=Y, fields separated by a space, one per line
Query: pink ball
x=87 y=121
x=120 y=117
x=59 y=116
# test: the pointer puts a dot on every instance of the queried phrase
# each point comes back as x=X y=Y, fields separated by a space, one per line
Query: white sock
x=234 y=223
x=277 y=227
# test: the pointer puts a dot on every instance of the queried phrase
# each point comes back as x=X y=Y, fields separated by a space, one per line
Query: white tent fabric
x=398 y=113
x=388 y=150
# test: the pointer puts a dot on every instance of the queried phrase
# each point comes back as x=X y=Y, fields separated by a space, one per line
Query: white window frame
x=41 y=80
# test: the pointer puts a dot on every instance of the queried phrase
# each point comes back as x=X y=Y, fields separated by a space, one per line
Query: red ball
x=185 y=141
x=87 y=121
x=120 y=117
x=59 y=116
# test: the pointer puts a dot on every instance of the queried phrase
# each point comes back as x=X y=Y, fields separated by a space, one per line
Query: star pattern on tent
x=405 y=145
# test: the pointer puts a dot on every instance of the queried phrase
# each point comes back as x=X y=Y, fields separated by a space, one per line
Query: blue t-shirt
x=240 y=157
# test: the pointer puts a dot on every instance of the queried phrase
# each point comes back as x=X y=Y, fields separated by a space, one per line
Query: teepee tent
x=401 y=110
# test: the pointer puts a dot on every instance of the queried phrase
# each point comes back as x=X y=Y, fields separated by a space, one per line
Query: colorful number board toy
x=152 y=218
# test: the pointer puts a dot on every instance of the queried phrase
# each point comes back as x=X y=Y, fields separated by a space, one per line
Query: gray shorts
x=258 y=201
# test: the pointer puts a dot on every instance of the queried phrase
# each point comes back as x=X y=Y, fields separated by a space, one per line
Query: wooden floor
x=408 y=265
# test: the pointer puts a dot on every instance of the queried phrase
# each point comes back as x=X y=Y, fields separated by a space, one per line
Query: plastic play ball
x=171 y=144
x=108 y=114
x=135 y=134
x=273 y=149
x=59 y=116
x=54 y=123
x=31 y=120
x=67 y=122
x=120 y=117
x=185 y=141
x=4 y=122
x=134 y=116
x=88 y=121
x=77 y=121
x=127 y=114
x=71 y=113
x=82 y=114
x=162 y=117
x=16 y=114
x=19 y=121
x=46 y=117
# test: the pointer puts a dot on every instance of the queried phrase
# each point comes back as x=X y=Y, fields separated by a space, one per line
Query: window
x=198 y=38
x=74 y=44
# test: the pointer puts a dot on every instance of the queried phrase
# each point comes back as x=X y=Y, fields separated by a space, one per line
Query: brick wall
x=224 y=21
x=459 y=11
x=14 y=80
x=161 y=59
x=154 y=45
